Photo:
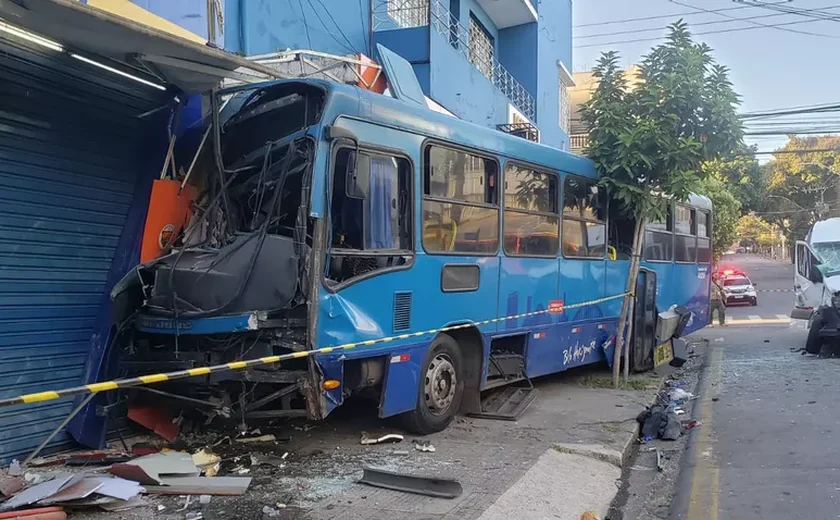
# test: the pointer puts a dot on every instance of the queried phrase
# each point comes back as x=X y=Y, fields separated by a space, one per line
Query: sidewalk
x=560 y=459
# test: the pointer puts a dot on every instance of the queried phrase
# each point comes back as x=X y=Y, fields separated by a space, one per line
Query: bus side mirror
x=357 y=178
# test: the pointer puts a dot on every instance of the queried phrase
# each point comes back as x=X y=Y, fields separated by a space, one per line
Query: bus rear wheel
x=441 y=388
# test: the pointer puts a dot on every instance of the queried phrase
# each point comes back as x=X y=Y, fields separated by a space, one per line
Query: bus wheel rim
x=440 y=383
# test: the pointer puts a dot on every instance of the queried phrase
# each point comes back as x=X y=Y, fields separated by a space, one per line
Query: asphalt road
x=774 y=284
x=767 y=448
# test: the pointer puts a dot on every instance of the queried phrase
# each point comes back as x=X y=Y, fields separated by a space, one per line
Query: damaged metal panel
x=70 y=150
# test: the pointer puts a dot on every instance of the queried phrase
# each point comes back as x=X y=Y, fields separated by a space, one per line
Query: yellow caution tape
x=270 y=360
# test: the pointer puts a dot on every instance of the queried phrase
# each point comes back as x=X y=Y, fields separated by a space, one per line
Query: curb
x=685 y=477
x=616 y=457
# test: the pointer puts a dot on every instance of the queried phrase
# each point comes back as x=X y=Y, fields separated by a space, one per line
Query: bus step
x=506 y=404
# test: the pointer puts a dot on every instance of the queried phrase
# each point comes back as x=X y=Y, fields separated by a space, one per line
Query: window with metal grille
x=481 y=50
x=565 y=108
x=409 y=13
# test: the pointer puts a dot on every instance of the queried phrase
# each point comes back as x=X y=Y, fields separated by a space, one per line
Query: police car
x=737 y=287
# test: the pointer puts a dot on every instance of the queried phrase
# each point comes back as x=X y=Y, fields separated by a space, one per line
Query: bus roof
x=377 y=108
x=352 y=101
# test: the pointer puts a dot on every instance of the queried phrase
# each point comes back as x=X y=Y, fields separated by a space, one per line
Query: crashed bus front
x=237 y=284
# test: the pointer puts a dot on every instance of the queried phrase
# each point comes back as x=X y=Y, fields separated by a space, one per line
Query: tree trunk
x=638 y=242
x=626 y=306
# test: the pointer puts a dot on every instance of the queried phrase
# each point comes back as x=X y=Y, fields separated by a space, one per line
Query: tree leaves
x=727 y=212
x=653 y=138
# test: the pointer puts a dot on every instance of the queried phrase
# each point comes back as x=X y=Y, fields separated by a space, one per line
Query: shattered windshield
x=829 y=257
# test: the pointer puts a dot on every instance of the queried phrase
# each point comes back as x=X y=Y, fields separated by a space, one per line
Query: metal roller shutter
x=71 y=154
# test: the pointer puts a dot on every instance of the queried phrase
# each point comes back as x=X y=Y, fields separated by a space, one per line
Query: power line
x=751 y=22
x=796 y=131
x=721 y=31
x=732 y=19
x=349 y=45
x=656 y=17
x=808 y=13
x=814 y=109
x=788 y=152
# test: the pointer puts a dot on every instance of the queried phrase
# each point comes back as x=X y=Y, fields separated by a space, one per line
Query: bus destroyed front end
x=237 y=283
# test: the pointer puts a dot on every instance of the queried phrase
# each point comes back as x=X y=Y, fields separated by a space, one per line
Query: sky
x=771 y=68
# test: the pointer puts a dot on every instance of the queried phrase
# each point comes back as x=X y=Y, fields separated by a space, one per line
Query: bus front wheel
x=441 y=388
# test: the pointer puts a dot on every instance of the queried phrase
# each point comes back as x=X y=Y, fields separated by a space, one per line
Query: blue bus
x=451 y=257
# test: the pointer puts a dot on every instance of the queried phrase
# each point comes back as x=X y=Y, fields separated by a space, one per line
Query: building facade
x=584 y=85
x=498 y=63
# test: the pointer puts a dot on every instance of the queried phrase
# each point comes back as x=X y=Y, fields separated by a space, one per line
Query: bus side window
x=659 y=239
x=685 y=242
x=369 y=230
x=531 y=222
x=584 y=219
x=460 y=207
x=704 y=237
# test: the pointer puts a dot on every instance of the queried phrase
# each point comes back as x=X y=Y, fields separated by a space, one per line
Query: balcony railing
x=577 y=143
x=400 y=13
x=389 y=14
x=523 y=130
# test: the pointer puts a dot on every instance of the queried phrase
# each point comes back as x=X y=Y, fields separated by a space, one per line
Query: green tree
x=649 y=142
x=743 y=176
x=727 y=211
x=804 y=187
x=756 y=232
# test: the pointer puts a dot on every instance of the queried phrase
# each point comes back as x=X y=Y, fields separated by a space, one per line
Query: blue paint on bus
x=364 y=309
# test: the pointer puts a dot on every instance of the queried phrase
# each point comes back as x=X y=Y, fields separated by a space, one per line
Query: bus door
x=528 y=269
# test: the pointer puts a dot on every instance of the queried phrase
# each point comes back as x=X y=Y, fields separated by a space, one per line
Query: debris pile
x=116 y=487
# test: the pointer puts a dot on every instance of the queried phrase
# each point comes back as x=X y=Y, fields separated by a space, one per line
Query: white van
x=816 y=283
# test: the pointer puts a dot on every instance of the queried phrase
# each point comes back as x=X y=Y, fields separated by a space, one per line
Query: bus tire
x=813 y=343
x=441 y=388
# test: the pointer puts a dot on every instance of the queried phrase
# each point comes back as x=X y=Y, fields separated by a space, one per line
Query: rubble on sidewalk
x=388 y=437
x=77 y=490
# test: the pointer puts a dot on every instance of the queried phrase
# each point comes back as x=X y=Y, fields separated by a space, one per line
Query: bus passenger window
x=584 y=219
x=685 y=248
x=531 y=223
x=685 y=227
x=372 y=231
x=460 y=211
x=659 y=246
x=704 y=234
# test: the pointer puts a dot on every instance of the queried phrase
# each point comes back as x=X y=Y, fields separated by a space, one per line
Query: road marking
x=754 y=320
x=754 y=317
x=705 y=480
x=783 y=317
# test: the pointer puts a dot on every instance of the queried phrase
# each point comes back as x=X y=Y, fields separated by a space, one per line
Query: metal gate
x=71 y=157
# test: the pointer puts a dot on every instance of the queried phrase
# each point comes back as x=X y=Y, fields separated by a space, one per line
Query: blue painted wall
x=332 y=26
x=555 y=43
x=517 y=52
x=529 y=52
x=471 y=7
x=457 y=85
x=189 y=14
